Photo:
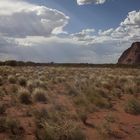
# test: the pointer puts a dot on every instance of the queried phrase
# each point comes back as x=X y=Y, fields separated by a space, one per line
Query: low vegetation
x=132 y=106
x=68 y=103
x=24 y=96
x=64 y=130
x=11 y=79
x=22 y=81
x=40 y=95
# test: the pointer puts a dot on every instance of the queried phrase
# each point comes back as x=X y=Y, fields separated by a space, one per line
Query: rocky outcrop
x=131 y=55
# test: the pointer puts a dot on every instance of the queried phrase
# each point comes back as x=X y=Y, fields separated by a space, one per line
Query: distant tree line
x=29 y=63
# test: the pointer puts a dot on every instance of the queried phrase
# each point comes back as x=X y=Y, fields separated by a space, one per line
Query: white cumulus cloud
x=128 y=30
x=32 y=33
x=82 y=2
x=19 y=18
x=113 y=42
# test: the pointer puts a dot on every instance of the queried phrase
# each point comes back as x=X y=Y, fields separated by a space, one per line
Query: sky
x=68 y=31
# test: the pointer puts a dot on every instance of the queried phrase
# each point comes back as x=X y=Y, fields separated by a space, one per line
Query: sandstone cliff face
x=131 y=55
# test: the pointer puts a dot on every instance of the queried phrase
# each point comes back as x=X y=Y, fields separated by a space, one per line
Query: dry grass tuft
x=40 y=95
x=24 y=96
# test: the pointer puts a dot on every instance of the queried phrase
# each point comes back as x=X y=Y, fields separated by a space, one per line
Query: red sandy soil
x=125 y=127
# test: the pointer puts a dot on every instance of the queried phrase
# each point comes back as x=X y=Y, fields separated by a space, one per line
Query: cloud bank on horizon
x=82 y=2
x=37 y=33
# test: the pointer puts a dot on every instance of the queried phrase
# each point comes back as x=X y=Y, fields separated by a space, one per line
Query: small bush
x=111 y=118
x=2 y=124
x=41 y=114
x=24 y=96
x=14 y=88
x=107 y=132
x=2 y=109
x=30 y=85
x=132 y=106
x=10 y=125
x=98 y=100
x=104 y=130
x=40 y=84
x=73 y=92
x=22 y=81
x=1 y=80
x=63 y=131
x=83 y=116
x=11 y=79
x=39 y=95
x=102 y=103
x=13 y=126
x=81 y=101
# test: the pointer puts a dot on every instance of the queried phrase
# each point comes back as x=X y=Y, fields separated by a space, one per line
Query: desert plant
x=13 y=126
x=1 y=80
x=81 y=101
x=106 y=131
x=24 y=96
x=63 y=131
x=103 y=130
x=102 y=103
x=22 y=81
x=40 y=114
x=72 y=91
x=83 y=116
x=39 y=95
x=31 y=85
x=2 y=124
x=97 y=99
x=132 y=106
x=111 y=118
x=10 y=125
x=2 y=109
x=11 y=79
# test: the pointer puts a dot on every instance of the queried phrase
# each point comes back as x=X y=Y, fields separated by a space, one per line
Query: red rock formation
x=131 y=55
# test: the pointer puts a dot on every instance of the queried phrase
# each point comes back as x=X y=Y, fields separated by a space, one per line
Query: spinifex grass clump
x=65 y=130
x=40 y=95
x=1 y=80
x=132 y=106
x=22 y=81
x=2 y=108
x=12 y=79
x=24 y=96
x=11 y=126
